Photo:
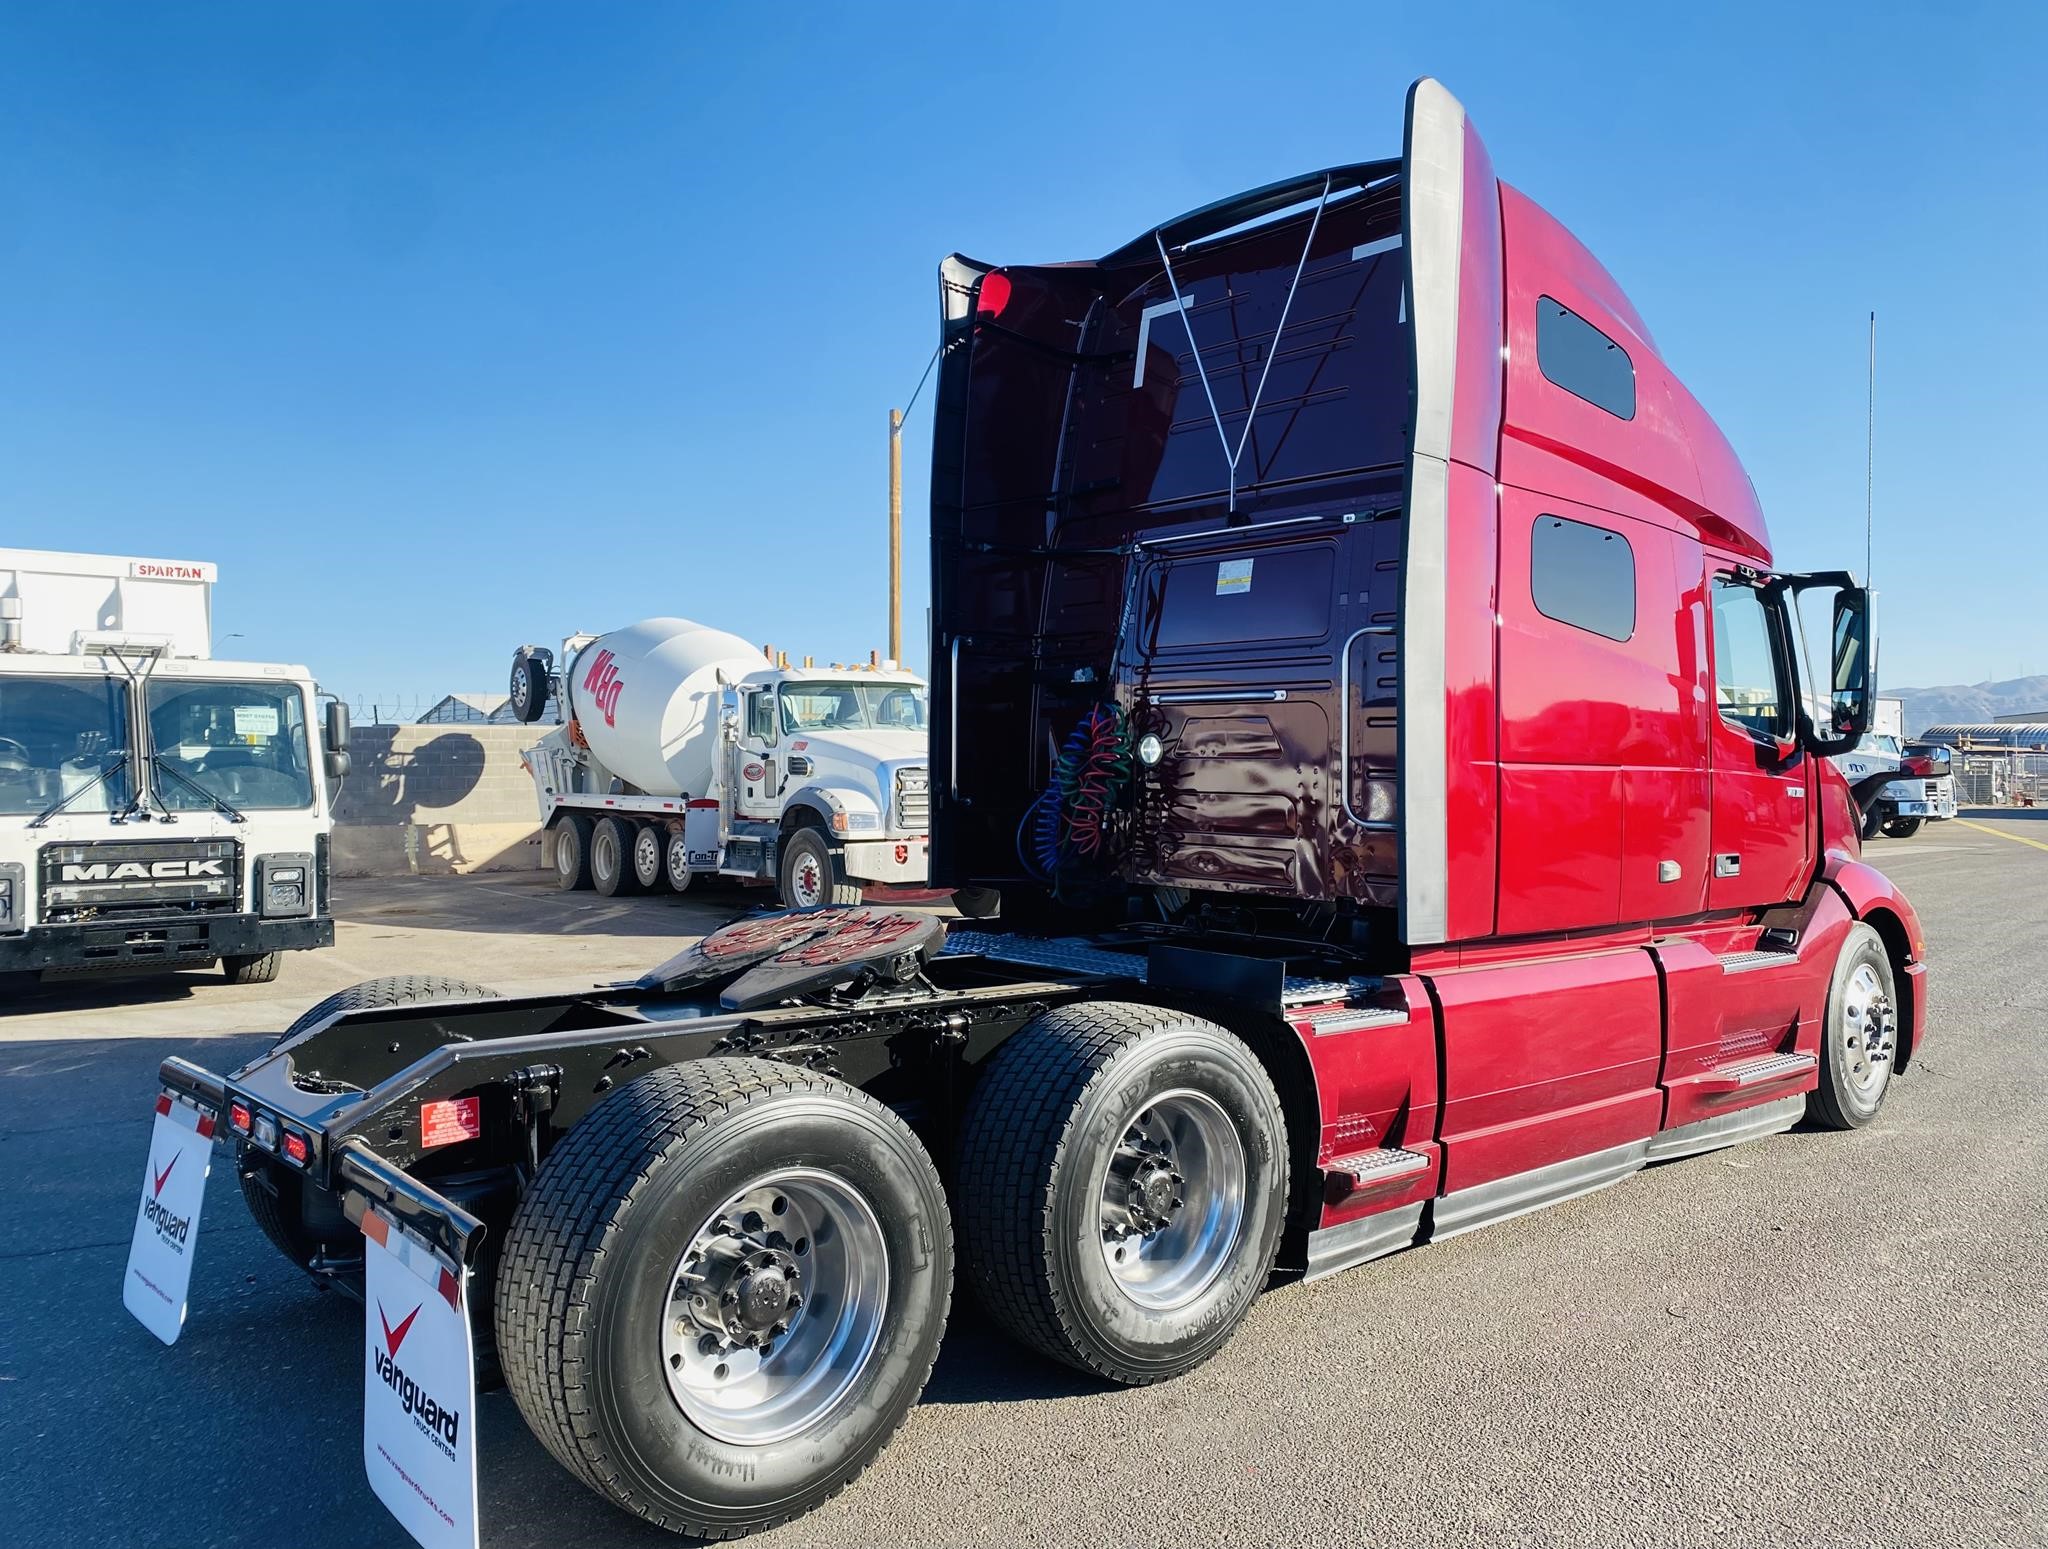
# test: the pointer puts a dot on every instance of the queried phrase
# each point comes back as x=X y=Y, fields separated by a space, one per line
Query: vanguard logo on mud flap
x=173 y=1229
x=439 y=1421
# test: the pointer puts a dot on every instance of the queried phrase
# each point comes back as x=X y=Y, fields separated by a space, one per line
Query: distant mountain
x=1959 y=702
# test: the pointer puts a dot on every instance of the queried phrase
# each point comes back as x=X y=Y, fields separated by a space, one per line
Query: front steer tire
x=586 y=1286
x=252 y=968
x=1058 y=1108
x=809 y=875
x=1859 y=1034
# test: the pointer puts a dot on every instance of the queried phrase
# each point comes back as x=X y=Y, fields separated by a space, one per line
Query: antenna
x=1869 y=443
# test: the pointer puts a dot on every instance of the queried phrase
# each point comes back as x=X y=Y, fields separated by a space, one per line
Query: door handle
x=1727 y=865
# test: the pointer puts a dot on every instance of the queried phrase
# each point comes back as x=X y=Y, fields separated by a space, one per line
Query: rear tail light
x=994 y=295
x=296 y=1151
x=238 y=1116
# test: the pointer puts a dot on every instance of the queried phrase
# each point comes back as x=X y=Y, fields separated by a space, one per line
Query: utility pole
x=896 y=535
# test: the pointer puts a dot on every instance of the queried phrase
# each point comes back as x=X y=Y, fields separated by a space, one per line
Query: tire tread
x=1023 y=1116
x=574 y=1215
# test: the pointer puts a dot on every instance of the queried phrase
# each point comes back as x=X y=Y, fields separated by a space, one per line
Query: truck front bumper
x=1921 y=798
x=898 y=862
x=164 y=944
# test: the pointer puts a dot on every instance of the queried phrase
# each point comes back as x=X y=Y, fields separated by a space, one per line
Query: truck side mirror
x=1850 y=689
x=338 y=761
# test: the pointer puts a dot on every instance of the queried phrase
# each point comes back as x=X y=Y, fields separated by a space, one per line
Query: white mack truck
x=685 y=752
x=158 y=809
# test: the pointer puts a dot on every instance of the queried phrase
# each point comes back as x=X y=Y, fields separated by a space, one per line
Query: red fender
x=1872 y=898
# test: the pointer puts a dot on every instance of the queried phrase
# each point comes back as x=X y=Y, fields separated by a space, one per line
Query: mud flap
x=167 y=1221
x=419 y=1384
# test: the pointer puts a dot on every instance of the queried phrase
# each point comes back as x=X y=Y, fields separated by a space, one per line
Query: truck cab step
x=1344 y=1176
x=1749 y=962
x=1764 y=1070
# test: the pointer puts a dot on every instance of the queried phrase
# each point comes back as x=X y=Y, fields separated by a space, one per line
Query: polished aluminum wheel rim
x=775 y=1308
x=1172 y=1199
x=1869 y=1031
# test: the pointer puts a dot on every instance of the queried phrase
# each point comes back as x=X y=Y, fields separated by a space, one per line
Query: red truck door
x=1763 y=793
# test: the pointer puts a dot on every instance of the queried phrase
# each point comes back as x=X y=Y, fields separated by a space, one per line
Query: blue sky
x=445 y=327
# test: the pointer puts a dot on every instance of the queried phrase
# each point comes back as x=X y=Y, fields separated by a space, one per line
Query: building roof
x=2032 y=735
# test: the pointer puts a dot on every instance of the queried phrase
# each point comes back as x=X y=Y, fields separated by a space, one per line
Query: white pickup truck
x=1925 y=790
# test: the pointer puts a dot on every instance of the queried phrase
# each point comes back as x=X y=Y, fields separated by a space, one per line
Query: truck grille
x=914 y=799
x=153 y=877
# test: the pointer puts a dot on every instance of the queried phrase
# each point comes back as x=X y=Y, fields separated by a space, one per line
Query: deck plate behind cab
x=785 y=955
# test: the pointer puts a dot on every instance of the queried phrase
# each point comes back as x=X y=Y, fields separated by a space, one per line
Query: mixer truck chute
x=685 y=752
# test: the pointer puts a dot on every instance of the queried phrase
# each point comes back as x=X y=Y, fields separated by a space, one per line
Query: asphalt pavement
x=1815 y=1339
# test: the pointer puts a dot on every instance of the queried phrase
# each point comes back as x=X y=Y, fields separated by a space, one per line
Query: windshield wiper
x=120 y=762
x=163 y=765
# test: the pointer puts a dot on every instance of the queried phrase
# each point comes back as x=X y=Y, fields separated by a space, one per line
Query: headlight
x=284 y=884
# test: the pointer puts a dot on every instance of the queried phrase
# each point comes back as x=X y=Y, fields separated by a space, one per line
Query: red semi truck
x=1360 y=668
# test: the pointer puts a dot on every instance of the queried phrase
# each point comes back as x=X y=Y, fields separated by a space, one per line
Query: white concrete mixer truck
x=683 y=752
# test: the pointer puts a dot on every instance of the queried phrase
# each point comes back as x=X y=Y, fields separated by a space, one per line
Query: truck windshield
x=852 y=707
x=57 y=736
x=244 y=742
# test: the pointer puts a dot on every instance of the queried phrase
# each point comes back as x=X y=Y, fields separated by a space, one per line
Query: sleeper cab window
x=1746 y=680
x=1583 y=361
x=1584 y=576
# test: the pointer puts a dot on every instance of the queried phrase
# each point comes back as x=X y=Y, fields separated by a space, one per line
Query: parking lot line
x=2002 y=834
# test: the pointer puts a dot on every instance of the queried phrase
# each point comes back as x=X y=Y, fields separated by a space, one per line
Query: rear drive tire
x=810 y=874
x=1901 y=828
x=676 y=863
x=572 y=853
x=1859 y=1035
x=628 y=1320
x=650 y=865
x=252 y=968
x=1162 y=1120
x=611 y=858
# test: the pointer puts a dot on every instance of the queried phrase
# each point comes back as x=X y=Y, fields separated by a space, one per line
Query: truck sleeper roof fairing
x=1239 y=480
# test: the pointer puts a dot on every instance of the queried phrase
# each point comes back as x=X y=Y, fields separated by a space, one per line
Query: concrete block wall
x=437 y=800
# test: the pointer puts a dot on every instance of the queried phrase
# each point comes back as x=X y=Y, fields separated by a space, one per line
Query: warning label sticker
x=1233 y=575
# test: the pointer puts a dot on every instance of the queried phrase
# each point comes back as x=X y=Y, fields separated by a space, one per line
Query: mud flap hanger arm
x=367 y=1178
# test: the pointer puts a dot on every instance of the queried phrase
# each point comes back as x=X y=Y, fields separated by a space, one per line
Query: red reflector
x=238 y=1116
x=295 y=1148
x=995 y=294
x=443 y=1123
